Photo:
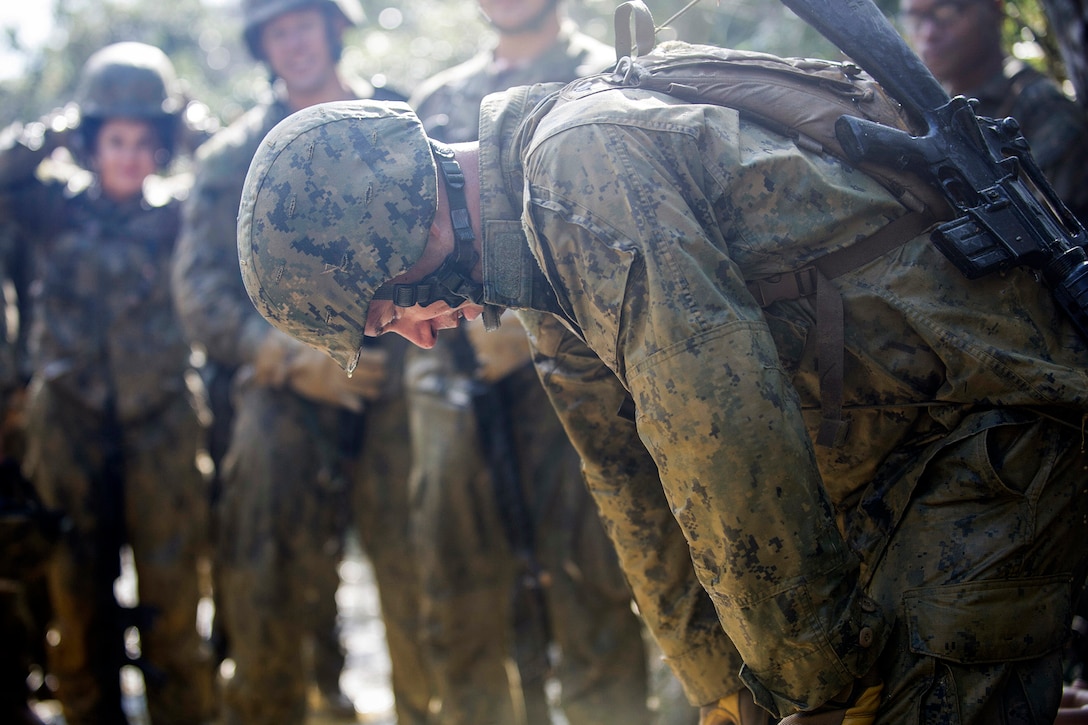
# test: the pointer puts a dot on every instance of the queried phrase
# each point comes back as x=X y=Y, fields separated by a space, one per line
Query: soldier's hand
x=26 y=145
x=499 y=352
x=271 y=363
x=736 y=709
x=283 y=361
x=197 y=126
x=316 y=376
x=371 y=373
x=54 y=129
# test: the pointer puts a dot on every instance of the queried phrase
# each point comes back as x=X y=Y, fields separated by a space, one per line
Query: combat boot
x=736 y=709
x=855 y=705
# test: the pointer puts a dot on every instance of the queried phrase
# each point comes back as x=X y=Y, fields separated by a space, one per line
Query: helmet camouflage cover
x=339 y=199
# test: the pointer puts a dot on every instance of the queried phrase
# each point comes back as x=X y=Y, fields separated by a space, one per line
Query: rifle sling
x=831 y=336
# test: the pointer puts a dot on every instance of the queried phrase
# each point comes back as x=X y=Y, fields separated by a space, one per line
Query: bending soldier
x=920 y=568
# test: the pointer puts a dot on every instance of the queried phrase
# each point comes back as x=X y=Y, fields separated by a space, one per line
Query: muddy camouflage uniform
x=296 y=474
x=1055 y=126
x=960 y=487
x=938 y=541
x=112 y=437
x=468 y=569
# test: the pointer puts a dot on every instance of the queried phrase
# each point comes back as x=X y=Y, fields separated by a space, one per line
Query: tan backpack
x=802 y=99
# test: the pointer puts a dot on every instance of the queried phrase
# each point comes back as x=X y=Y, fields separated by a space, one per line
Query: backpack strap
x=830 y=325
x=634 y=13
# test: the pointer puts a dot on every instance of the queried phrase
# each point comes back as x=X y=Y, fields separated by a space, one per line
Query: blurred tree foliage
x=1069 y=19
x=400 y=44
x=1028 y=36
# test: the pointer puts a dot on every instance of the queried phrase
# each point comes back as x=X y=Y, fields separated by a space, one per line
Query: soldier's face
x=951 y=35
x=419 y=325
x=124 y=156
x=296 y=45
x=516 y=16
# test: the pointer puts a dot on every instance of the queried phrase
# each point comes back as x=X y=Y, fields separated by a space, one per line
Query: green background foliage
x=400 y=44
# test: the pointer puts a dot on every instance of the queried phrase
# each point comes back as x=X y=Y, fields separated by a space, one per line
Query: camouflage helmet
x=256 y=13
x=339 y=199
x=133 y=80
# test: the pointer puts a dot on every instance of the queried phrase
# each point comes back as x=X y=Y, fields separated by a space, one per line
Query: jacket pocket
x=989 y=621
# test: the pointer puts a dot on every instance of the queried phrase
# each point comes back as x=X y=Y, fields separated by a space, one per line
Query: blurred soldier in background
x=28 y=532
x=960 y=42
x=112 y=434
x=299 y=458
x=505 y=528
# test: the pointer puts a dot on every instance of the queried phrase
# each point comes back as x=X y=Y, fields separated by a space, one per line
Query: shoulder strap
x=634 y=21
x=830 y=328
x=801 y=98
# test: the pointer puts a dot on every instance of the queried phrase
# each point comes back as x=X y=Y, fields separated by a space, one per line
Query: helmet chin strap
x=452 y=282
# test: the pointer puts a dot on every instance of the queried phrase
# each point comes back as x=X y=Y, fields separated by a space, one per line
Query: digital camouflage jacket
x=644 y=254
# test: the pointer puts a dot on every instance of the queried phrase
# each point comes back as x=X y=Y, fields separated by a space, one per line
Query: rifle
x=532 y=630
x=218 y=378
x=107 y=500
x=1009 y=215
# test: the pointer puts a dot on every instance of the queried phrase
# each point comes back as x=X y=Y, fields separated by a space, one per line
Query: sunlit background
x=44 y=42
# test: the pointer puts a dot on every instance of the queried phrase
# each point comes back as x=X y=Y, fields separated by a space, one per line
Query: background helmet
x=339 y=199
x=134 y=80
x=256 y=13
x=128 y=80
